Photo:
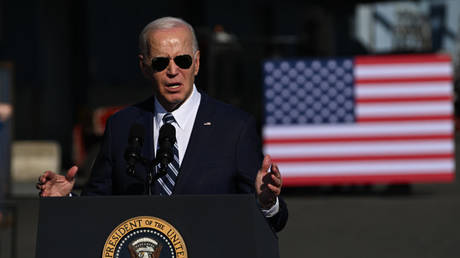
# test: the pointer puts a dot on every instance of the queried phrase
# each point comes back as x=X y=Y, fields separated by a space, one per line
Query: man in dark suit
x=216 y=150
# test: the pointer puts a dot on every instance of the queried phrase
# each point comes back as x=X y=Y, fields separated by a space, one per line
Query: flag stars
x=300 y=79
x=317 y=119
x=316 y=65
x=269 y=66
x=331 y=64
x=270 y=107
x=270 y=120
x=302 y=120
x=308 y=72
x=300 y=66
x=318 y=91
x=293 y=100
x=292 y=73
x=332 y=92
x=324 y=73
x=285 y=93
x=269 y=94
x=293 y=87
x=316 y=79
x=278 y=87
x=269 y=80
x=286 y=107
x=301 y=106
x=348 y=64
x=277 y=74
x=348 y=78
x=332 y=78
x=278 y=100
x=301 y=93
x=285 y=80
x=285 y=66
x=339 y=72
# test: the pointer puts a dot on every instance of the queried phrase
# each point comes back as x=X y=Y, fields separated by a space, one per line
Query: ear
x=143 y=67
x=197 y=63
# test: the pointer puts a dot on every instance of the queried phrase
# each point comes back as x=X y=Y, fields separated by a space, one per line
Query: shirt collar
x=181 y=115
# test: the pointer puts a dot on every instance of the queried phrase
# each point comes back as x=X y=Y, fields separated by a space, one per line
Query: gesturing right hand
x=52 y=184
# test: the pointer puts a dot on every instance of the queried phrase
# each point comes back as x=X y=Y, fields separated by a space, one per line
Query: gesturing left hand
x=268 y=184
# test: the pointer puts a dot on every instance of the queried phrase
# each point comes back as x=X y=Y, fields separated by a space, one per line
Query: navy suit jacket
x=222 y=157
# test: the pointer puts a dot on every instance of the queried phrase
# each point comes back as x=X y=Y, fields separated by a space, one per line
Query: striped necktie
x=168 y=181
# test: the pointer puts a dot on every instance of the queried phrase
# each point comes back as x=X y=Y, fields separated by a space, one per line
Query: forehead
x=169 y=41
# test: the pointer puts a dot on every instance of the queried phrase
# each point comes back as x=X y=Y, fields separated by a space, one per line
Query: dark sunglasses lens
x=160 y=63
x=184 y=61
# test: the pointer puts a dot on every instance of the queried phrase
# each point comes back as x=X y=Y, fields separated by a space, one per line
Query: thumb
x=71 y=173
x=266 y=163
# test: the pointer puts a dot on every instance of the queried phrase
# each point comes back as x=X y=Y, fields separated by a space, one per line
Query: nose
x=172 y=69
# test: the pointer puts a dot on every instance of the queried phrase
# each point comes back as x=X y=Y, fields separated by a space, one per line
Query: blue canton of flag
x=309 y=91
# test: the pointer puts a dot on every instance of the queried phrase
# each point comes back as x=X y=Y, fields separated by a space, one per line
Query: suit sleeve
x=249 y=160
x=100 y=180
x=248 y=156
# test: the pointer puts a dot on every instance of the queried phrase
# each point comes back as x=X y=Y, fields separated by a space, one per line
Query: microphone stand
x=150 y=166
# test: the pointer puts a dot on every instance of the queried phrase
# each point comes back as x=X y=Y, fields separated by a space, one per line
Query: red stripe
x=402 y=59
x=404 y=118
x=357 y=139
x=362 y=82
x=403 y=99
x=368 y=179
x=363 y=158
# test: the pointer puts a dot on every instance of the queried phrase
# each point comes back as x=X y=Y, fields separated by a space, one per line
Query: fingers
x=276 y=175
x=275 y=182
x=48 y=175
x=266 y=163
x=274 y=189
x=71 y=173
x=51 y=184
x=39 y=186
x=276 y=170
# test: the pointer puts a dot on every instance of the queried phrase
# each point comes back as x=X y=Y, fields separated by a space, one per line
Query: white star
x=284 y=66
x=269 y=67
x=300 y=65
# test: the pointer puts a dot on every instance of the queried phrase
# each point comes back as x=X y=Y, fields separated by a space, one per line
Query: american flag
x=367 y=119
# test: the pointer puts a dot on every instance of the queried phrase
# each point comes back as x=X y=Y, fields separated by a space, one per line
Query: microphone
x=166 y=141
x=135 y=142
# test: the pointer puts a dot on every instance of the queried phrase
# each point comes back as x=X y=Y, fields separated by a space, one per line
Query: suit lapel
x=201 y=129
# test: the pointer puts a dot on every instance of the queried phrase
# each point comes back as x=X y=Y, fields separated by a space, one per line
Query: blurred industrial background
x=67 y=64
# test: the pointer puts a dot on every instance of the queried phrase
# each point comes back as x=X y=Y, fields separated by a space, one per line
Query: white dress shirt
x=185 y=118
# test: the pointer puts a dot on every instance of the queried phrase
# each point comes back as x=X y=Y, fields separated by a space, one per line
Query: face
x=172 y=85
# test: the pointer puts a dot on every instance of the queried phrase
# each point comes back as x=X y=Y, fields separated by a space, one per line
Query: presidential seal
x=144 y=237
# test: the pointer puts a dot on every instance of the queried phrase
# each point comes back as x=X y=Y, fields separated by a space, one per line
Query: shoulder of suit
x=223 y=109
x=133 y=111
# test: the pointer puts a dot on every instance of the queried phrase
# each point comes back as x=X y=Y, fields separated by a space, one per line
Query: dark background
x=70 y=57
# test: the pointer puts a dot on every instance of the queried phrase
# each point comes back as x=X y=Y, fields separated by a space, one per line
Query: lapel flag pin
x=207 y=123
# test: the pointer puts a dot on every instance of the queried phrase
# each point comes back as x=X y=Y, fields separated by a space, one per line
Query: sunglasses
x=160 y=63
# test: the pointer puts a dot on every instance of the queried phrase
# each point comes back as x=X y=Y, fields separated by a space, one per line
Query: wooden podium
x=113 y=226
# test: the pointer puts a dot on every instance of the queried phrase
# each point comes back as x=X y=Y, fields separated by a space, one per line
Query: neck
x=170 y=107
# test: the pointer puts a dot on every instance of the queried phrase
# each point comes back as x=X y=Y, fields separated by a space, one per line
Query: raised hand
x=268 y=183
x=52 y=184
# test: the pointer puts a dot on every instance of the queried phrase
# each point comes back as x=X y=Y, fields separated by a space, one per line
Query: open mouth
x=173 y=85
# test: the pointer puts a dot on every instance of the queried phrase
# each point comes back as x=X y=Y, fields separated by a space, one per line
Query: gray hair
x=165 y=23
